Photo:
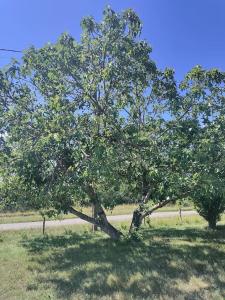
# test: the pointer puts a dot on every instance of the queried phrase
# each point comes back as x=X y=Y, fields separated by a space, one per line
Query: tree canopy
x=95 y=122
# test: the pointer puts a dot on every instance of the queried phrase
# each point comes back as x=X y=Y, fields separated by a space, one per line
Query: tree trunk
x=104 y=224
x=101 y=218
x=43 y=227
x=94 y=215
x=114 y=233
x=139 y=214
x=136 y=220
x=180 y=214
x=212 y=224
x=100 y=221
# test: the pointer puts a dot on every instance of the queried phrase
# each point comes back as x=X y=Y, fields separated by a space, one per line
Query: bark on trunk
x=104 y=224
x=180 y=214
x=212 y=224
x=100 y=221
x=43 y=226
x=94 y=215
x=114 y=233
x=136 y=220
x=139 y=214
x=101 y=218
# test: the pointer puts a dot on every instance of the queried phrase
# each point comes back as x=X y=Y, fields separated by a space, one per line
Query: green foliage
x=205 y=111
x=80 y=113
x=95 y=122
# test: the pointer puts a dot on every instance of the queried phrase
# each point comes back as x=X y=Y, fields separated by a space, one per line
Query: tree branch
x=83 y=216
x=145 y=198
x=157 y=206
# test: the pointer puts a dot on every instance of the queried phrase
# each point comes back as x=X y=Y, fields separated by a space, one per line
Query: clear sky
x=183 y=33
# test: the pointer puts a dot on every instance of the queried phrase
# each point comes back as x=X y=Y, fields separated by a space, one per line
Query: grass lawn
x=31 y=216
x=172 y=260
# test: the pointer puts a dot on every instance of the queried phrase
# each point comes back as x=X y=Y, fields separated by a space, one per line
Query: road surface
x=77 y=221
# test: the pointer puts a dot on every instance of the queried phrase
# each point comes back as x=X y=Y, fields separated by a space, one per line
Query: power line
x=10 y=50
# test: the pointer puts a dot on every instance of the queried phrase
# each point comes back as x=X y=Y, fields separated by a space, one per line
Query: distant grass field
x=32 y=216
x=173 y=260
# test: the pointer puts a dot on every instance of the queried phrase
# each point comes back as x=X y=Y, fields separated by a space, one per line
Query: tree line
x=96 y=123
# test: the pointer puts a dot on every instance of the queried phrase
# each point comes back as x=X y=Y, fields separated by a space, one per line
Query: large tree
x=90 y=123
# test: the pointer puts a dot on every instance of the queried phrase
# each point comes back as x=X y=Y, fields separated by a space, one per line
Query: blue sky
x=183 y=33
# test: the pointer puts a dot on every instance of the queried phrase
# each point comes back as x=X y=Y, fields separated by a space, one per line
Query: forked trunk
x=139 y=214
x=136 y=220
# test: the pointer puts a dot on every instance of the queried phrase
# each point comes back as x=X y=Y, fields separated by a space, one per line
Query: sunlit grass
x=173 y=260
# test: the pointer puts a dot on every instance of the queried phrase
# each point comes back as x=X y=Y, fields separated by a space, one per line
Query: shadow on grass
x=190 y=234
x=162 y=265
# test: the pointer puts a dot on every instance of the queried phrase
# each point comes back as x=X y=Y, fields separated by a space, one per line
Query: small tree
x=204 y=102
x=210 y=207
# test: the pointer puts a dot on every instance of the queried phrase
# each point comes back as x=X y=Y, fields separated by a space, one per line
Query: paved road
x=28 y=225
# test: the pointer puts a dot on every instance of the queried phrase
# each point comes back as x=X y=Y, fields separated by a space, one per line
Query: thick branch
x=83 y=216
x=102 y=222
x=139 y=214
x=157 y=206
x=145 y=198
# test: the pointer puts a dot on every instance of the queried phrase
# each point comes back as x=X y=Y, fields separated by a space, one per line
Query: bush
x=210 y=208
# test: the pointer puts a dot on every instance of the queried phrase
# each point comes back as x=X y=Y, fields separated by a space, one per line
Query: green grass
x=32 y=216
x=172 y=261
